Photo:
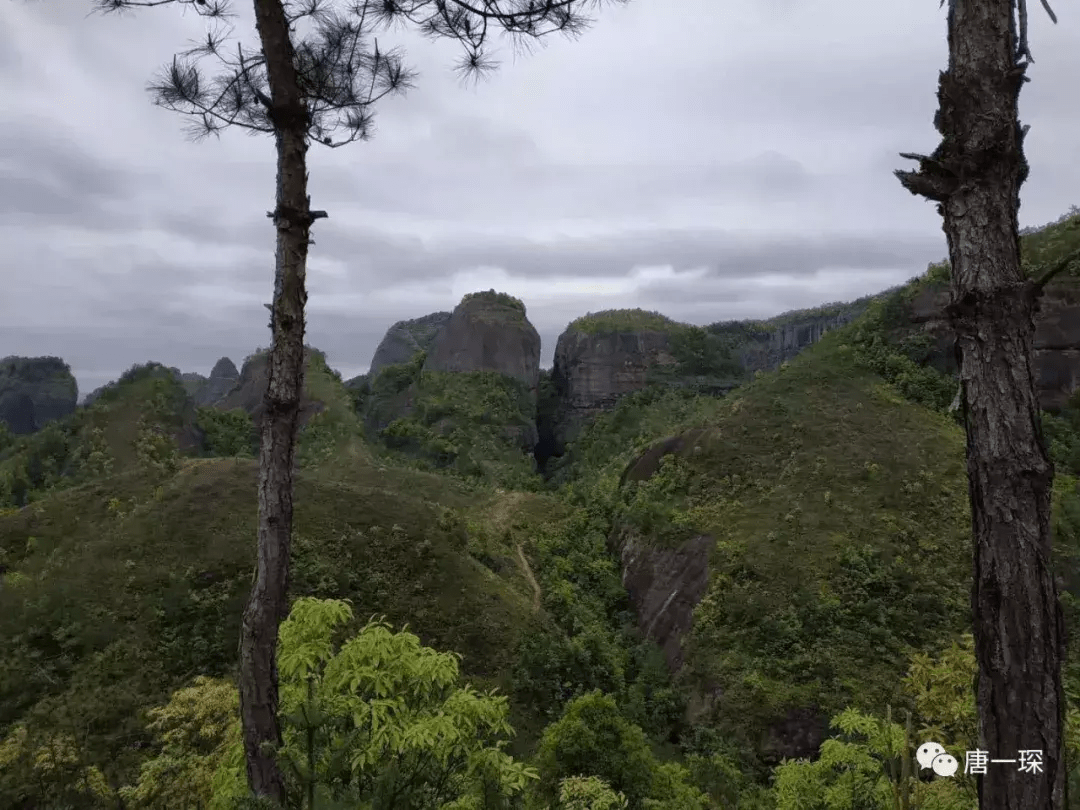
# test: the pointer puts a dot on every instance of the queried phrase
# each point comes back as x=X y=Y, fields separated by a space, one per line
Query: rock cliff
x=405 y=338
x=488 y=331
x=247 y=394
x=600 y=358
x=764 y=345
x=664 y=584
x=1057 y=337
x=35 y=391
x=223 y=378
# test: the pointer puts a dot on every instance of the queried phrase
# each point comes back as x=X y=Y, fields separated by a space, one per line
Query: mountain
x=35 y=391
x=751 y=528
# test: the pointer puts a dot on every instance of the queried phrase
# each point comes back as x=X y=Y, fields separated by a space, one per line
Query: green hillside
x=833 y=492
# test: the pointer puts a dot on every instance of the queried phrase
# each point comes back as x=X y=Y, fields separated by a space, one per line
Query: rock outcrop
x=35 y=391
x=666 y=583
x=488 y=331
x=405 y=338
x=223 y=378
x=1057 y=337
x=780 y=339
x=594 y=368
x=248 y=392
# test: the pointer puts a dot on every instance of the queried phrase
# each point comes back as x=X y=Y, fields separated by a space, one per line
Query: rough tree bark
x=975 y=175
x=268 y=606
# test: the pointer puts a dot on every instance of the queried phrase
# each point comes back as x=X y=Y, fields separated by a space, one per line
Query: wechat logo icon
x=933 y=756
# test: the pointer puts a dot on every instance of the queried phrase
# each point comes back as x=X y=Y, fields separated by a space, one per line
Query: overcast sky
x=710 y=160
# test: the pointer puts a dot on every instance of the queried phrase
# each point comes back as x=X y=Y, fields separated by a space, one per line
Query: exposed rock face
x=1057 y=338
x=664 y=584
x=249 y=390
x=486 y=333
x=223 y=378
x=35 y=391
x=405 y=338
x=794 y=333
x=592 y=371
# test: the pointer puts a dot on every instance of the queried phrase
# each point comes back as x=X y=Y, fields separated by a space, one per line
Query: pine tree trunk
x=268 y=605
x=975 y=175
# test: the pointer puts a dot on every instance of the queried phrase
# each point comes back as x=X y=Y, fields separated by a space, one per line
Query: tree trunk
x=975 y=174
x=268 y=605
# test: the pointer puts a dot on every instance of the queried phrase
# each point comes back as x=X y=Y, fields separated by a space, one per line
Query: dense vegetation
x=833 y=491
x=622 y=320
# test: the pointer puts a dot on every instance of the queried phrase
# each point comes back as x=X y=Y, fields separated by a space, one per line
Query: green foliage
x=900 y=361
x=706 y=361
x=56 y=766
x=838 y=547
x=124 y=589
x=864 y=767
x=193 y=733
x=593 y=739
x=137 y=423
x=379 y=397
x=622 y=320
x=943 y=695
x=477 y=425
x=335 y=425
x=657 y=506
x=589 y=793
x=500 y=298
x=380 y=721
x=1043 y=247
x=227 y=433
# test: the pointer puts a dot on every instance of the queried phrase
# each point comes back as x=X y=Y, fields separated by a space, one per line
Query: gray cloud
x=716 y=161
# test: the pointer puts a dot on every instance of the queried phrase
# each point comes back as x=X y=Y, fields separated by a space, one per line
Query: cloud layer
x=709 y=161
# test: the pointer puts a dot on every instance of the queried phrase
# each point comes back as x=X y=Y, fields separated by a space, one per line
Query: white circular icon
x=926 y=753
x=944 y=765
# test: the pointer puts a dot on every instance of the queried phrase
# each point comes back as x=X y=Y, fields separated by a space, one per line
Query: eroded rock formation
x=593 y=370
x=788 y=334
x=1057 y=337
x=488 y=332
x=35 y=391
x=664 y=584
x=223 y=378
x=249 y=390
x=405 y=338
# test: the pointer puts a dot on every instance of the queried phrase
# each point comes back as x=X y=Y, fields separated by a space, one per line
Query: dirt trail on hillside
x=500 y=517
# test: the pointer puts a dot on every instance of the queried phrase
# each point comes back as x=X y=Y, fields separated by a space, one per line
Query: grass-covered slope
x=145 y=417
x=478 y=425
x=118 y=591
x=839 y=514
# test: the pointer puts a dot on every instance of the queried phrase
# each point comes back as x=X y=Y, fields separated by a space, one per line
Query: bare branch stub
x=941 y=174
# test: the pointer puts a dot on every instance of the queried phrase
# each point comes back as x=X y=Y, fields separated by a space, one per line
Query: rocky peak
x=602 y=357
x=249 y=389
x=405 y=338
x=223 y=378
x=35 y=391
x=488 y=331
x=224 y=369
